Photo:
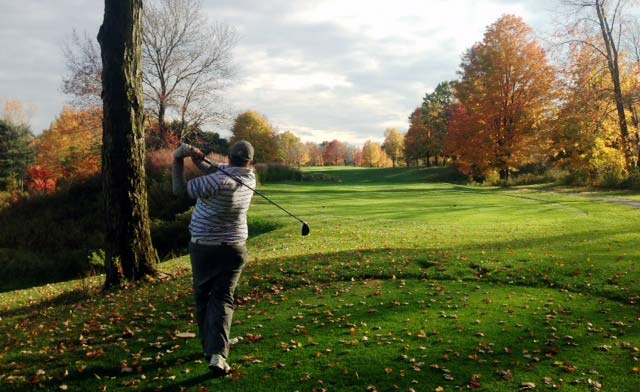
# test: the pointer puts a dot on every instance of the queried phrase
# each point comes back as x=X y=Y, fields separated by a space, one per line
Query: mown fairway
x=403 y=284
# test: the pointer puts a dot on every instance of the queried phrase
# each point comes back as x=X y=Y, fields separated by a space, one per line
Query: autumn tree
x=254 y=128
x=334 y=153
x=505 y=93
x=393 y=144
x=373 y=155
x=417 y=140
x=632 y=98
x=586 y=134
x=70 y=149
x=471 y=150
x=606 y=19
x=436 y=110
x=291 y=149
x=128 y=237
x=315 y=154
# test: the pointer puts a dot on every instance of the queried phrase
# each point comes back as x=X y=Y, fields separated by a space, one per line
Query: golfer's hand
x=187 y=150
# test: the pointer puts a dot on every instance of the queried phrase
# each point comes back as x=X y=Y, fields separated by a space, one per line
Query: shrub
x=530 y=179
x=171 y=237
x=578 y=178
x=492 y=178
x=611 y=178
x=22 y=268
x=633 y=180
x=163 y=204
x=6 y=199
x=319 y=177
x=276 y=172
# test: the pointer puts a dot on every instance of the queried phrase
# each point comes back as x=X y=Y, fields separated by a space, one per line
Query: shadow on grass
x=426 y=268
x=384 y=263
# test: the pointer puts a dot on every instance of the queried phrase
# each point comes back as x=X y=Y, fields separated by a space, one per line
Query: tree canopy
x=254 y=128
x=505 y=94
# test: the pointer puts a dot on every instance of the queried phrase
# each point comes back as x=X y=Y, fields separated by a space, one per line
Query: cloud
x=324 y=68
x=354 y=67
x=31 y=36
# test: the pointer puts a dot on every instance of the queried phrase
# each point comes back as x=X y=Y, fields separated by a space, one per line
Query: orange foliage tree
x=505 y=93
x=334 y=153
x=39 y=180
x=70 y=149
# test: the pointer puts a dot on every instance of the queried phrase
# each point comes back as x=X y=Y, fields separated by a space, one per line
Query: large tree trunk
x=129 y=250
x=612 y=62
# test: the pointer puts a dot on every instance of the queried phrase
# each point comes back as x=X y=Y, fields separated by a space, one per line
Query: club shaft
x=253 y=189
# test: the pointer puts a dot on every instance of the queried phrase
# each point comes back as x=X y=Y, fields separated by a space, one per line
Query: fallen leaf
x=185 y=335
x=526 y=386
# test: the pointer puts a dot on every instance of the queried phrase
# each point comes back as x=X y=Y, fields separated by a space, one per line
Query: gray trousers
x=216 y=271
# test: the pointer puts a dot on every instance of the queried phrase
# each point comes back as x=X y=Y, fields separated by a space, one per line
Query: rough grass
x=402 y=284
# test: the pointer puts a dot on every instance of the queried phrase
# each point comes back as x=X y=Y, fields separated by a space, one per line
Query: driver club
x=305 y=227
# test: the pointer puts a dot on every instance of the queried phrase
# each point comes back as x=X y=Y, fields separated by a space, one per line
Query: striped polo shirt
x=222 y=203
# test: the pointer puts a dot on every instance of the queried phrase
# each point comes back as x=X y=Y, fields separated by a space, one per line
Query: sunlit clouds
x=323 y=69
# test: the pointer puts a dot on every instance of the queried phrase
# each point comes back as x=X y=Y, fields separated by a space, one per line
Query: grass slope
x=403 y=284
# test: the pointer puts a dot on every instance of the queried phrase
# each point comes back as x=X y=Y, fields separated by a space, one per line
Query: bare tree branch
x=187 y=62
x=84 y=68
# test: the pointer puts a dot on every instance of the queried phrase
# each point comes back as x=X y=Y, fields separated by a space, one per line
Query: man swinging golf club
x=218 y=234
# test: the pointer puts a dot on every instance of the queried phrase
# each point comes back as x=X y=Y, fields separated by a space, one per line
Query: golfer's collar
x=237 y=170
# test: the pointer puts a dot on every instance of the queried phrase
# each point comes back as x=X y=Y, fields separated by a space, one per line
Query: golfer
x=218 y=233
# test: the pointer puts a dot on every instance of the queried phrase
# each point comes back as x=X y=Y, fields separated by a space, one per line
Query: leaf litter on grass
x=441 y=298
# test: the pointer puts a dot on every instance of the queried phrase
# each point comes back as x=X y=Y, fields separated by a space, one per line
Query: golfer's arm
x=177 y=177
x=205 y=167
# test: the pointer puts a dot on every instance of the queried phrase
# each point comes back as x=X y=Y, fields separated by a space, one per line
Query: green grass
x=404 y=283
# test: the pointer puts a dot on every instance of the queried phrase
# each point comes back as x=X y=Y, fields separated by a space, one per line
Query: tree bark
x=162 y=109
x=129 y=251
x=612 y=62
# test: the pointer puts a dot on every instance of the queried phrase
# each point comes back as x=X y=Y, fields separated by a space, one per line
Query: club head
x=305 y=229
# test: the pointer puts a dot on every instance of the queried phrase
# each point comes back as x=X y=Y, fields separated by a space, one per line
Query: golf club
x=305 y=227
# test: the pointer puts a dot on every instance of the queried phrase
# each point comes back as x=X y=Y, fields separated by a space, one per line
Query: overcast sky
x=325 y=69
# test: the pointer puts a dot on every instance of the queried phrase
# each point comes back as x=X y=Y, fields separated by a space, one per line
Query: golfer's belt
x=215 y=243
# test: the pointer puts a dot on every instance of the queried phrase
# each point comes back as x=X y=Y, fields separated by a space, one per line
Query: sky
x=324 y=69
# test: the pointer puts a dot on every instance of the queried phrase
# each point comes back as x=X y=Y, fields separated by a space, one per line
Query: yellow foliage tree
x=70 y=148
x=254 y=128
x=291 y=149
x=393 y=144
x=374 y=156
x=587 y=140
